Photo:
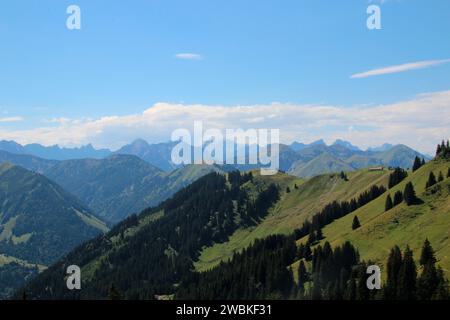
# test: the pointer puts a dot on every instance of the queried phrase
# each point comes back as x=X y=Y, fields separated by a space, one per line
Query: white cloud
x=189 y=56
x=399 y=68
x=11 y=119
x=420 y=122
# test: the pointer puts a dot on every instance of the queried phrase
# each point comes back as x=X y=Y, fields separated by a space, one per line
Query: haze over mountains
x=54 y=152
x=120 y=185
x=298 y=158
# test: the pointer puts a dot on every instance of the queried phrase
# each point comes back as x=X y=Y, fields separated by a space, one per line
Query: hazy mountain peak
x=318 y=142
x=140 y=143
x=345 y=144
x=384 y=147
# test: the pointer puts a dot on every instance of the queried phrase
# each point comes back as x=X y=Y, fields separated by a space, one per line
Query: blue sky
x=123 y=60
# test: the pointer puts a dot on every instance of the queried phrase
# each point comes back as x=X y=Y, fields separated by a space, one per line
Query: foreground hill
x=235 y=237
x=293 y=209
x=402 y=225
x=39 y=223
x=149 y=254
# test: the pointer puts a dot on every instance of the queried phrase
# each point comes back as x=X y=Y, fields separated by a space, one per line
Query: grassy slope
x=293 y=209
x=402 y=225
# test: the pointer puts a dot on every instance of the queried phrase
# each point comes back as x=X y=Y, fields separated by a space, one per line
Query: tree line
x=443 y=150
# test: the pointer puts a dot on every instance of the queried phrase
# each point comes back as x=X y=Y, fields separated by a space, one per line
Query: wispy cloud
x=418 y=122
x=11 y=119
x=399 y=68
x=189 y=56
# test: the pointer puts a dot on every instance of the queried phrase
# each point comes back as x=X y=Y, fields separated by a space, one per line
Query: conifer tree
x=355 y=224
x=406 y=287
x=312 y=236
x=398 y=198
x=448 y=173
x=307 y=253
x=431 y=280
x=431 y=180
x=396 y=177
x=417 y=163
x=302 y=275
x=409 y=195
x=393 y=266
x=288 y=190
x=343 y=176
x=388 y=206
x=362 y=292
x=319 y=234
x=428 y=282
x=438 y=150
x=427 y=255
x=440 y=176
x=442 y=291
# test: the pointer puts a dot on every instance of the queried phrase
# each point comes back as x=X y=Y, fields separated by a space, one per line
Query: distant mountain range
x=340 y=156
x=158 y=155
x=120 y=185
x=54 y=152
x=296 y=158
x=140 y=175
x=39 y=223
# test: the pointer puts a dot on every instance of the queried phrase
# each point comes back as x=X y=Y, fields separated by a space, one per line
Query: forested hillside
x=245 y=236
x=148 y=255
x=39 y=223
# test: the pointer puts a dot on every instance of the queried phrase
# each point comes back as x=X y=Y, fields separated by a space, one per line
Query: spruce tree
x=442 y=291
x=307 y=253
x=393 y=266
x=355 y=224
x=427 y=255
x=428 y=282
x=302 y=275
x=388 y=206
x=430 y=279
x=438 y=150
x=431 y=180
x=440 y=176
x=288 y=190
x=409 y=195
x=398 y=198
x=406 y=287
x=417 y=164
x=312 y=236
x=343 y=176
x=319 y=234
x=362 y=292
